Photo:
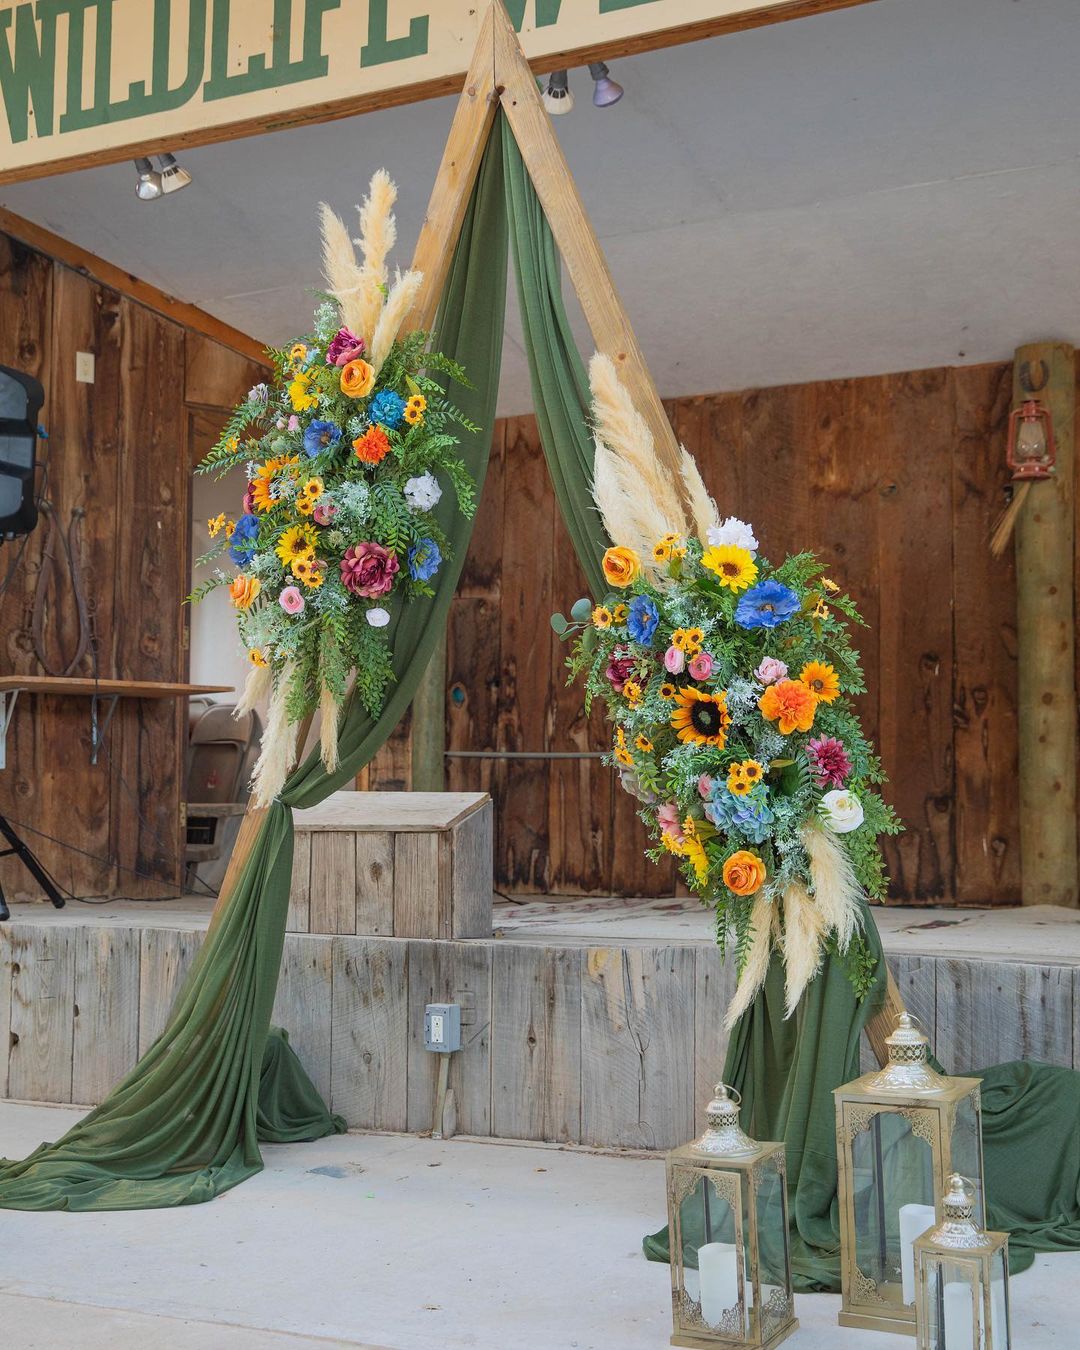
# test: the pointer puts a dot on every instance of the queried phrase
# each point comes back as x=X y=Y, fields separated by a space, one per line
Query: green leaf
x=582 y=610
x=558 y=622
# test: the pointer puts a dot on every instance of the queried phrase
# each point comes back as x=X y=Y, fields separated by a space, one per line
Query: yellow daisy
x=622 y=755
x=732 y=566
x=300 y=394
x=620 y=613
x=632 y=692
x=821 y=609
x=257 y=658
x=304 y=504
x=829 y=586
x=601 y=617
x=822 y=680
x=297 y=353
x=694 y=850
x=314 y=488
x=298 y=541
x=414 y=409
x=688 y=640
x=215 y=525
x=668 y=690
x=643 y=744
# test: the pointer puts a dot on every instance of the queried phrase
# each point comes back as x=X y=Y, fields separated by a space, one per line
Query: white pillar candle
x=914 y=1221
x=718 y=1273
x=959 y=1333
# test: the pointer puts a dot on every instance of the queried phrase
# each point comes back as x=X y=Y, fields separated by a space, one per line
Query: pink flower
x=705 y=787
x=701 y=666
x=344 y=347
x=674 y=660
x=619 y=669
x=670 y=821
x=368 y=570
x=829 y=762
x=290 y=600
x=249 y=501
x=294 y=423
x=771 y=670
x=324 y=513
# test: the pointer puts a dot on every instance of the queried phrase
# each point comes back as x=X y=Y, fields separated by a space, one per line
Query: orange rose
x=357 y=377
x=622 y=566
x=744 y=872
x=790 y=704
x=243 y=590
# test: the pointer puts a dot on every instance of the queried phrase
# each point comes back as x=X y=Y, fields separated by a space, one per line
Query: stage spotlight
x=148 y=185
x=173 y=177
x=557 y=96
x=605 y=90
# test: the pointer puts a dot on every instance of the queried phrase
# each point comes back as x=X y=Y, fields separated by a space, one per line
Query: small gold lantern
x=899 y=1132
x=733 y=1192
x=962 y=1279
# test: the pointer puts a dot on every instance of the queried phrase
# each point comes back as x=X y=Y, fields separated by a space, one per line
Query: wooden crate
x=394 y=864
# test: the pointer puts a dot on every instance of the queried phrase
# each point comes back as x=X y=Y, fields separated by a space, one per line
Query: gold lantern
x=962 y=1279
x=733 y=1192
x=899 y=1133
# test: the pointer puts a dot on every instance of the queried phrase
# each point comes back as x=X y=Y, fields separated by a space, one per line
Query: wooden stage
x=593 y=1022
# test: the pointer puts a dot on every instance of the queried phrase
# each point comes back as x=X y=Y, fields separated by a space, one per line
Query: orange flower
x=821 y=679
x=621 y=566
x=744 y=872
x=790 y=704
x=243 y=590
x=357 y=378
x=373 y=446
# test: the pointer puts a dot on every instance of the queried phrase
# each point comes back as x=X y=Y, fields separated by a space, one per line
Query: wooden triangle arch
x=499 y=77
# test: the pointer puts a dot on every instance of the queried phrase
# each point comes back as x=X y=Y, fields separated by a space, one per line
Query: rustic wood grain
x=536 y=1043
x=637 y=1029
x=43 y=1015
x=165 y=958
x=299 y=916
x=451 y=972
x=303 y=1004
x=214 y=375
x=375 y=883
x=106 y=1013
x=472 y=876
x=333 y=882
x=11 y=946
x=418 y=861
x=370 y=1051
x=988 y=1014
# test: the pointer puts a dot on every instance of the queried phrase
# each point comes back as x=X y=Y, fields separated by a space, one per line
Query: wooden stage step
x=594 y=1023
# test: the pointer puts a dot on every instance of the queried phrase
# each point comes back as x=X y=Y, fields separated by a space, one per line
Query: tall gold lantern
x=734 y=1191
x=962 y=1279
x=900 y=1132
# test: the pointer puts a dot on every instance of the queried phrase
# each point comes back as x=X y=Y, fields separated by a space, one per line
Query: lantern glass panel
x=774 y=1265
x=714 y=1209
x=966 y=1156
x=892 y=1165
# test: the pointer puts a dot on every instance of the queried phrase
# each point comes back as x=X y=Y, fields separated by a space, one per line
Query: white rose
x=423 y=493
x=736 y=532
x=842 y=811
x=378 y=618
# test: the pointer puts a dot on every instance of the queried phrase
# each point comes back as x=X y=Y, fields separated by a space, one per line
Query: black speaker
x=21 y=397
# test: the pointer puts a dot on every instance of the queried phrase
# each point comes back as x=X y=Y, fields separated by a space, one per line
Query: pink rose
x=324 y=513
x=368 y=570
x=344 y=347
x=670 y=821
x=705 y=787
x=294 y=423
x=674 y=661
x=701 y=666
x=249 y=501
x=619 y=669
x=771 y=670
x=290 y=600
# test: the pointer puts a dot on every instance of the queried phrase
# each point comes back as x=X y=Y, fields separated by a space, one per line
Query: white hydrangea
x=423 y=493
x=377 y=617
x=736 y=532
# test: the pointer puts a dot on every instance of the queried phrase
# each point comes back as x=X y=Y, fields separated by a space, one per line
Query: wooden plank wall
x=895 y=480
x=119 y=451
x=606 y=1046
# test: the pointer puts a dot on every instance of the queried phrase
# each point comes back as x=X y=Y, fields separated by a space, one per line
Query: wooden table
x=99 y=692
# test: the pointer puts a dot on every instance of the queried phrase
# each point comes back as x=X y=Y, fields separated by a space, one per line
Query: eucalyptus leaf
x=558 y=622
x=582 y=610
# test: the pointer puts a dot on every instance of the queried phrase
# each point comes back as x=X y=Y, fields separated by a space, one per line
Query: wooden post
x=1046 y=639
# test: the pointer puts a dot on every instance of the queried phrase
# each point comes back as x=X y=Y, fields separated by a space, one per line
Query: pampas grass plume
x=804 y=928
x=763 y=920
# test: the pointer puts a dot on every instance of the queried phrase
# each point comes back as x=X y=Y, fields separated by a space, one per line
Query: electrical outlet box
x=442 y=1028
x=84 y=367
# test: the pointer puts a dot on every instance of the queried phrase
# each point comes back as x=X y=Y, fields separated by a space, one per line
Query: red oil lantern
x=1030 y=450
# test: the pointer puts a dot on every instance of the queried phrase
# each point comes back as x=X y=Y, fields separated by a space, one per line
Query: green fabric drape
x=560 y=386
x=184 y=1125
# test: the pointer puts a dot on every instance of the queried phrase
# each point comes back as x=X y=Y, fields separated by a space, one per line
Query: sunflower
x=633 y=692
x=694 y=851
x=414 y=409
x=256 y=657
x=688 y=640
x=601 y=617
x=821 y=609
x=829 y=586
x=216 y=524
x=622 y=755
x=299 y=393
x=822 y=680
x=262 y=494
x=643 y=744
x=314 y=488
x=304 y=504
x=668 y=690
x=737 y=781
x=701 y=718
x=297 y=354
x=732 y=566
x=752 y=770
x=620 y=613
x=298 y=541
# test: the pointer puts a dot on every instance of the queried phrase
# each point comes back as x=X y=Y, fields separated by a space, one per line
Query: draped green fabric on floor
x=184 y=1125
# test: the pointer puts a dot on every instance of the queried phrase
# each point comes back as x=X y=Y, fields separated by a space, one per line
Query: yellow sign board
x=90 y=81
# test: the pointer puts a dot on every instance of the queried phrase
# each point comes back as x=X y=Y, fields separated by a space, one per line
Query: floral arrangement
x=346 y=451
x=728 y=683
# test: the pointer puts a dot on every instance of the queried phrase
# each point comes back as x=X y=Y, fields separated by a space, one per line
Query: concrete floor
x=392 y=1242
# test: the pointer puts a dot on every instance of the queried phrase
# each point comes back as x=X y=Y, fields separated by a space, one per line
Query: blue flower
x=766 y=605
x=748 y=816
x=320 y=436
x=242 y=543
x=388 y=408
x=424 y=560
x=642 y=620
